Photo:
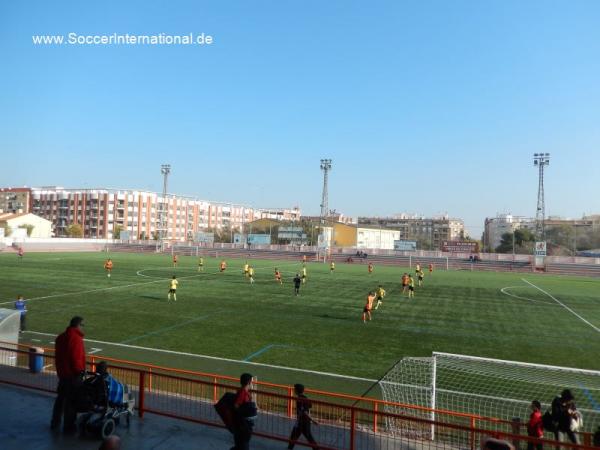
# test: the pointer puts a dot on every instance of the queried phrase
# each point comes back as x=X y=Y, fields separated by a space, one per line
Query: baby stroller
x=103 y=400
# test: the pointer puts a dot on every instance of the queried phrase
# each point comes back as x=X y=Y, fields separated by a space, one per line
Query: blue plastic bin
x=36 y=359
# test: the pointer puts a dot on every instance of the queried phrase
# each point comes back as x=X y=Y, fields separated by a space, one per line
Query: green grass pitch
x=221 y=315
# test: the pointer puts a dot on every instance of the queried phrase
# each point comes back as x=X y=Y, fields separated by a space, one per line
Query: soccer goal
x=9 y=335
x=486 y=387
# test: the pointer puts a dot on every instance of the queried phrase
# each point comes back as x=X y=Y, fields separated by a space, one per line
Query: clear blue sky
x=424 y=106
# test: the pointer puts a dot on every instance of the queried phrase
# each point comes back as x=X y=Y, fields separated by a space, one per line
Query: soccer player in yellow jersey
x=417 y=268
x=331 y=267
x=380 y=293
x=200 y=264
x=420 y=276
x=304 y=276
x=251 y=274
x=411 y=286
x=173 y=288
x=246 y=269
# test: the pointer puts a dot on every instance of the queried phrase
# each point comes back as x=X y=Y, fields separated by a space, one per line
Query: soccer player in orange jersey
x=278 y=276
x=430 y=268
x=174 y=260
x=368 y=307
x=222 y=266
x=108 y=266
x=404 y=282
x=370 y=268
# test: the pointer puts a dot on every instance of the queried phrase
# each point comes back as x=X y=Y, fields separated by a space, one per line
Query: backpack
x=552 y=417
x=226 y=411
x=548 y=423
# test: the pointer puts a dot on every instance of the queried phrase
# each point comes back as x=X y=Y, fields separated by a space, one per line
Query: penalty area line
x=214 y=358
x=504 y=290
x=583 y=319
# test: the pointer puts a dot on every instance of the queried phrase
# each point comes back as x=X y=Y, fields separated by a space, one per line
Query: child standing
x=535 y=427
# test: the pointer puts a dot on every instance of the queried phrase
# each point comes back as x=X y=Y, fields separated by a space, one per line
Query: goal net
x=485 y=387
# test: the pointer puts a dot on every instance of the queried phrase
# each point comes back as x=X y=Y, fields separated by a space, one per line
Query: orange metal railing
x=189 y=395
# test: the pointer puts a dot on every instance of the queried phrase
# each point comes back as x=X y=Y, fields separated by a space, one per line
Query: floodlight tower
x=165 y=170
x=540 y=160
x=325 y=167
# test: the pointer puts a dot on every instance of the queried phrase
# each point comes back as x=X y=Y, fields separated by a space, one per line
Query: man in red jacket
x=70 y=364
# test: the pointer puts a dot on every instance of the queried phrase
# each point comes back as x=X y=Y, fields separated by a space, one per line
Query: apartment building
x=15 y=200
x=434 y=230
x=101 y=212
x=495 y=227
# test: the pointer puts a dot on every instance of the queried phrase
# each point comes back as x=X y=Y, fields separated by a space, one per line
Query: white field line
x=170 y=327
x=216 y=358
x=124 y=286
x=584 y=320
x=505 y=289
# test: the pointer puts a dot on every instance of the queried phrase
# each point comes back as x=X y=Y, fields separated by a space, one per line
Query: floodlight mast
x=165 y=170
x=325 y=167
x=540 y=160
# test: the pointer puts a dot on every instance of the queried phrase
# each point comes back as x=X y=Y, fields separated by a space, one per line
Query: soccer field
x=523 y=317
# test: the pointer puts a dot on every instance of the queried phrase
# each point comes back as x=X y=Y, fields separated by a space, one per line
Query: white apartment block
x=101 y=211
x=412 y=226
x=495 y=227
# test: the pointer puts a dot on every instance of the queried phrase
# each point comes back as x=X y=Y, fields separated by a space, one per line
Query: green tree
x=424 y=243
x=222 y=234
x=561 y=238
x=29 y=228
x=117 y=232
x=7 y=229
x=524 y=240
x=75 y=230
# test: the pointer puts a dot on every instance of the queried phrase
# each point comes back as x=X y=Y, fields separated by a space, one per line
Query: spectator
x=534 y=426
x=70 y=365
x=303 y=419
x=20 y=306
x=111 y=443
x=245 y=413
x=564 y=412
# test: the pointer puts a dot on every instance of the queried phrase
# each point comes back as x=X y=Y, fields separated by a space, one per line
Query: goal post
x=486 y=387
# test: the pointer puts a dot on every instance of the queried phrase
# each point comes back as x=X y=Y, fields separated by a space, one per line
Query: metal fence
x=345 y=421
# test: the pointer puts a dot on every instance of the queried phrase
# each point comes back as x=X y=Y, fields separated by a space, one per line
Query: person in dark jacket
x=303 y=419
x=563 y=409
x=245 y=413
x=69 y=353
